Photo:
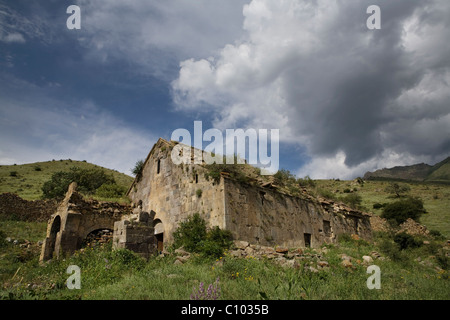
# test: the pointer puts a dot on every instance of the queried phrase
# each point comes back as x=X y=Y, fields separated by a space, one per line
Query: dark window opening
x=307 y=240
x=159 y=241
x=327 y=227
x=158 y=169
x=196 y=178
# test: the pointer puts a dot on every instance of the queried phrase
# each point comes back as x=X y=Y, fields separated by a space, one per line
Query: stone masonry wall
x=13 y=206
x=176 y=192
x=264 y=216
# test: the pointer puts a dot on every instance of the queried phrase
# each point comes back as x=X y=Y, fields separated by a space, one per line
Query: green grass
x=436 y=198
x=107 y=274
x=28 y=179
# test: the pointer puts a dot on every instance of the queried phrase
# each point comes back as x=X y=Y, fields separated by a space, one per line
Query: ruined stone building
x=165 y=194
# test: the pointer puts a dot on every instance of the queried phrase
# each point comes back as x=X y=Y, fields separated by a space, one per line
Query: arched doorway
x=54 y=230
x=159 y=234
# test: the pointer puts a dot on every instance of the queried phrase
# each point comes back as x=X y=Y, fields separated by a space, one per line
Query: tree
x=397 y=189
x=138 y=169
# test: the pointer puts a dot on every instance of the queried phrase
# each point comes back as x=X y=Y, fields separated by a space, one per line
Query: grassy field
x=436 y=198
x=416 y=273
x=26 y=180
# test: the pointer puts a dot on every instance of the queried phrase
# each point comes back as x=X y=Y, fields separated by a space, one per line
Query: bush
x=283 y=177
x=378 y=205
x=193 y=236
x=406 y=241
x=88 y=181
x=353 y=200
x=13 y=174
x=401 y=210
x=111 y=190
x=397 y=188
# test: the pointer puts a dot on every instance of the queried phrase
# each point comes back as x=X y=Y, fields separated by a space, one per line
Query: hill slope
x=26 y=180
x=440 y=172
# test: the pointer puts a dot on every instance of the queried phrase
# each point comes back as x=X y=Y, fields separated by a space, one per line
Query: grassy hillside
x=440 y=172
x=26 y=180
x=436 y=198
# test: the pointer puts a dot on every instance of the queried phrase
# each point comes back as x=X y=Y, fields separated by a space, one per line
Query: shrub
x=401 y=210
x=392 y=250
x=283 y=177
x=406 y=241
x=397 y=189
x=190 y=233
x=353 y=200
x=88 y=180
x=378 y=205
x=13 y=174
x=193 y=236
x=111 y=190
x=199 y=193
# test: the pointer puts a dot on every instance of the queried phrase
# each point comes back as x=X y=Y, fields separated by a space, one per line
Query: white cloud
x=350 y=95
x=58 y=130
x=153 y=34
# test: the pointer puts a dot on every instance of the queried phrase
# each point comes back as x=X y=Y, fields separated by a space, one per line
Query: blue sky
x=346 y=99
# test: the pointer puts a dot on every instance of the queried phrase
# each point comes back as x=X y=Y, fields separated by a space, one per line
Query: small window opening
x=158 y=169
x=307 y=240
x=327 y=228
x=196 y=178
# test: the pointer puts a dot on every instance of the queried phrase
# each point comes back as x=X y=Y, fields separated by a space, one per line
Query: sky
x=345 y=98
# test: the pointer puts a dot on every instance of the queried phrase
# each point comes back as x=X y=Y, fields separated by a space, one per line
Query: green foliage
x=306 y=182
x=401 y=210
x=190 y=233
x=354 y=200
x=193 y=236
x=284 y=177
x=138 y=169
x=111 y=190
x=88 y=180
x=214 y=171
x=406 y=241
x=199 y=193
x=13 y=173
x=397 y=188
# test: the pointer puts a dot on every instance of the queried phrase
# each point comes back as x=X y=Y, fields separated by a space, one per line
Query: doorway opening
x=159 y=234
x=307 y=240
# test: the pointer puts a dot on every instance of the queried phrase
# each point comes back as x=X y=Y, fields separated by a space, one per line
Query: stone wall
x=175 y=192
x=266 y=217
x=74 y=219
x=136 y=232
x=14 y=207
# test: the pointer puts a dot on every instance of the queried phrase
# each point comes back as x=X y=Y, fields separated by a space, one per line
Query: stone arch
x=158 y=227
x=102 y=235
x=55 y=232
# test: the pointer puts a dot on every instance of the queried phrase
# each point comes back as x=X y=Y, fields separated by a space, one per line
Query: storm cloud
x=355 y=98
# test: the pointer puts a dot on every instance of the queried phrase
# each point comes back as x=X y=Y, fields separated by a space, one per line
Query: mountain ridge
x=440 y=172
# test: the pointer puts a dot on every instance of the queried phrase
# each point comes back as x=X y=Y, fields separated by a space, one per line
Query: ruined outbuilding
x=165 y=194
x=75 y=220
